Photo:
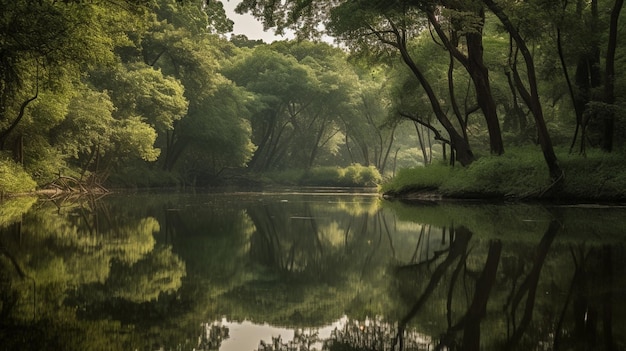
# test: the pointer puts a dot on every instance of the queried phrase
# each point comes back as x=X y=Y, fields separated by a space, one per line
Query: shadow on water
x=309 y=271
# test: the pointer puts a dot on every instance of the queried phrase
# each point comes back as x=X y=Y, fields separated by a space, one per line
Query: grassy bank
x=519 y=174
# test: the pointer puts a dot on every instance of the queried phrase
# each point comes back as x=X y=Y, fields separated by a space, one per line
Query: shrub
x=596 y=176
x=322 y=176
x=518 y=173
x=13 y=178
x=355 y=175
x=359 y=175
x=428 y=177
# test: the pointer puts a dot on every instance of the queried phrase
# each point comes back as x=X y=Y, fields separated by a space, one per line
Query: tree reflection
x=70 y=259
x=374 y=334
x=528 y=289
x=125 y=274
x=591 y=299
x=212 y=336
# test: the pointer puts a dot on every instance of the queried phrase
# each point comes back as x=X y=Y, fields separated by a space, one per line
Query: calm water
x=316 y=271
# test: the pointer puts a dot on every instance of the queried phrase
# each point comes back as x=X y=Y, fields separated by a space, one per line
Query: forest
x=522 y=98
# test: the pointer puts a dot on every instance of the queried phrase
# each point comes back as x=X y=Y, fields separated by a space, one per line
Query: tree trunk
x=609 y=84
x=484 y=97
x=463 y=151
x=532 y=97
x=475 y=67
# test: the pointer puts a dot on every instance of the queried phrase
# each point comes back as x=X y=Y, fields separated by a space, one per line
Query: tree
x=366 y=25
x=140 y=90
x=394 y=27
x=467 y=20
x=369 y=134
x=86 y=132
x=301 y=90
x=42 y=42
x=214 y=132
x=529 y=94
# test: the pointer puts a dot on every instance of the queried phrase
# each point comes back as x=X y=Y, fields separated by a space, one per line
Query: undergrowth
x=519 y=173
x=13 y=178
x=354 y=175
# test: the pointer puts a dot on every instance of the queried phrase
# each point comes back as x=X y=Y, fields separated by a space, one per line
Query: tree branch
x=438 y=135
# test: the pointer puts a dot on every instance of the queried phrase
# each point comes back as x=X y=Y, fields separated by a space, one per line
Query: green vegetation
x=518 y=174
x=13 y=178
x=131 y=272
x=352 y=176
x=139 y=93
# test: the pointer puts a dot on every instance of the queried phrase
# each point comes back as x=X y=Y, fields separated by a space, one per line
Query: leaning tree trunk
x=479 y=73
x=531 y=97
x=461 y=146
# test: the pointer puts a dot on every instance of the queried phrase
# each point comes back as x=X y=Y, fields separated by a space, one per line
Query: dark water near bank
x=322 y=271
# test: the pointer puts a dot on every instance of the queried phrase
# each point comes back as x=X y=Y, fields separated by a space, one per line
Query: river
x=309 y=270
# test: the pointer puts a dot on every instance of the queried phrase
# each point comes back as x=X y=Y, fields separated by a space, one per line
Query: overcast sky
x=248 y=25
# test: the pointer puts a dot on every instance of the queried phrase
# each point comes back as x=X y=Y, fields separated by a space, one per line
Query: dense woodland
x=157 y=93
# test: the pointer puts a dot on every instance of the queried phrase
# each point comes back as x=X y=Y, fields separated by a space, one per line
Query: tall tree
x=466 y=19
x=368 y=26
x=180 y=42
x=529 y=94
x=609 y=76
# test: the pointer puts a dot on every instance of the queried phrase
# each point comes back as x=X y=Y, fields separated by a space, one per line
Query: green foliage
x=43 y=162
x=598 y=175
x=140 y=175
x=155 y=87
x=140 y=90
x=519 y=173
x=135 y=138
x=12 y=209
x=13 y=178
x=359 y=175
x=418 y=178
x=323 y=176
x=87 y=125
x=355 y=175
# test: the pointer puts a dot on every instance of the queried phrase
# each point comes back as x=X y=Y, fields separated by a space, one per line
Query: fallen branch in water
x=67 y=184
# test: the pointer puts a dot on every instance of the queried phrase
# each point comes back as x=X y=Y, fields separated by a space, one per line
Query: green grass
x=519 y=173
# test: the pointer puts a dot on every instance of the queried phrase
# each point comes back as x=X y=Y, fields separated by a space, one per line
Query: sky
x=248 y=25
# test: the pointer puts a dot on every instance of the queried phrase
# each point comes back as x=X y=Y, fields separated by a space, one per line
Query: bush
x=596 y=176
x=322 y=176
x=13 y=178
x=355 y=175
x=519 y=173
x=358 y=175
x=418 y=178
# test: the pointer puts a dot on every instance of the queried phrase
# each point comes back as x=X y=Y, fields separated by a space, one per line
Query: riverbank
x=516 y=176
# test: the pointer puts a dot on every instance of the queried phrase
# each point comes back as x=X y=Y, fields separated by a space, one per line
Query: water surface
x=309 y=270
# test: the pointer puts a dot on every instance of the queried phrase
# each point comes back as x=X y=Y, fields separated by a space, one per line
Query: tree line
x=511 y=64
x=154 y=92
